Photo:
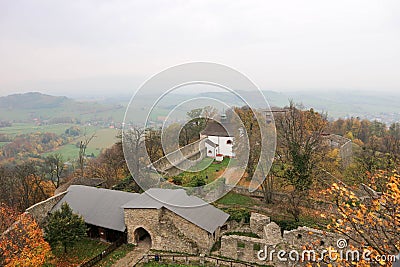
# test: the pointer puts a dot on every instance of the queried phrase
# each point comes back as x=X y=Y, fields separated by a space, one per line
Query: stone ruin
x=271 y=239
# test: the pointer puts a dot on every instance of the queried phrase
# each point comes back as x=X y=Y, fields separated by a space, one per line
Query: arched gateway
x=142 y=236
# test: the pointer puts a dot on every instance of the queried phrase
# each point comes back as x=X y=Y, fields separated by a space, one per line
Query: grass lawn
x=79 y=253
x=117 y=254
x=235 y=199
x=207 y=168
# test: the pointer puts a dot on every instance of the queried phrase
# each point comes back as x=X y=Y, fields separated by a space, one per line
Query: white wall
x=214 y=151
x=223 y=147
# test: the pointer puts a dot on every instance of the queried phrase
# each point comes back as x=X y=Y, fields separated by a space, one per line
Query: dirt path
x=134 y=256
x=232 y=175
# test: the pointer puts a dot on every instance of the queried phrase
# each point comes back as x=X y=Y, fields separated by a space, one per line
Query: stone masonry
x=168 y=231
x=40 y=210
x=272 y=240
x=257 y=223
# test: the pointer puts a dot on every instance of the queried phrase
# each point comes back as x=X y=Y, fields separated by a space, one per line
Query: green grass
x=116 y=255
x=235 y=199
x=24 y=128
x=207 y=168
x=69 y=151
x=104 y=138
x=79 y=253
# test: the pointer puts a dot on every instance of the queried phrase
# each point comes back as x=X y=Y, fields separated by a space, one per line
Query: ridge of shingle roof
x=105 y=207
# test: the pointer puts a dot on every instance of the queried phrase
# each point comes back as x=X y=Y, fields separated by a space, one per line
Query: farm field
x=104 y=138
x=25 y=128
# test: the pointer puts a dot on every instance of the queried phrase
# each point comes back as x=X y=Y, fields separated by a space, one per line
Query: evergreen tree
x=65 y=227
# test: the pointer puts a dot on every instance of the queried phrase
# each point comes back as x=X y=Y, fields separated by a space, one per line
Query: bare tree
x=300 y=147
x=54 y=168
x=153 y=144
x=134 y=143
x=82 y=151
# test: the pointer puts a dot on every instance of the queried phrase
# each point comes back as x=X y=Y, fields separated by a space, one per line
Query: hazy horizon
x=129 y=93
x=104 y=48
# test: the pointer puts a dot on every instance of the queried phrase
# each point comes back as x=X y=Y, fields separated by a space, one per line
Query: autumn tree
x=153 y=144
x=22 y=244
x=64 y=227
x=371 y=221
x=31 y=186
x=23 y=185
x=53 y=167
x=392 y=142
x=190 y=132
x=300 y=148
x=250 y=141
x=8 y=186
x=7 y=216
x=110 y=165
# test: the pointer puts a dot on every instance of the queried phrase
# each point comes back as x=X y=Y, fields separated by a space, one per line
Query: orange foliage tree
x=371 y=222
x=22 y=244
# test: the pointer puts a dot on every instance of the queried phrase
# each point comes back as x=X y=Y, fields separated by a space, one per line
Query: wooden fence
x=104 y=253
x=175 y=258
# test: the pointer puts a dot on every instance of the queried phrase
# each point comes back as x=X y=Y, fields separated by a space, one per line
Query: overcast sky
x=70 y=47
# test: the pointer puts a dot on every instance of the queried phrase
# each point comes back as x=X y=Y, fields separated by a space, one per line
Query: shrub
x=238 y=214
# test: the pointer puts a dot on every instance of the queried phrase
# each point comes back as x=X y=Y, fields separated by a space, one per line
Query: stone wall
x=305 y=236
x=344 y=145
x=201 y=237
x=346 y=153
x=40 y=210
x=184 y=158
x=245 y=248
x=241 y=248
x=168 y=231
x=257 y=223
x=145 y=218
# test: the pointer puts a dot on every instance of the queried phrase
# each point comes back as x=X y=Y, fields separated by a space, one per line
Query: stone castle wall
x=184 y=158
x=168 y=231
x=40 y=210
x=241 y=248
x=245 y=248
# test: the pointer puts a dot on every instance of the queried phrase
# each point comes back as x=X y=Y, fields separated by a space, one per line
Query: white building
x=219 y=138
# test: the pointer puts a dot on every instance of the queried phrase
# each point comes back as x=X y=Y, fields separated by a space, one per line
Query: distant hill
x=28 y=106
x=33 y=100
x=369 y=105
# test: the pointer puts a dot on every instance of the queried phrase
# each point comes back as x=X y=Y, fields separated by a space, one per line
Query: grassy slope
x=235 y=199
x=104 y=138
x=114 y=256
x=207 y=168
x=79 y=253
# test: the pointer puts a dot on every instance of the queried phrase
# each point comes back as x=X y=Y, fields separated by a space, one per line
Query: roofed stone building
x=170 y=219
